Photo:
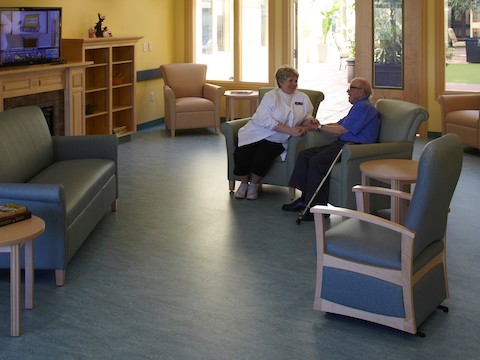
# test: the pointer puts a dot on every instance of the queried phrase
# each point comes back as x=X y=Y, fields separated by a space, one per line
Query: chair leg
x=60 y=277
x=172 y=133
x=231 y=185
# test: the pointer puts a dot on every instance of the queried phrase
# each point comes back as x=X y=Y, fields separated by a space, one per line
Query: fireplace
x=51 y=103
x=58 y=89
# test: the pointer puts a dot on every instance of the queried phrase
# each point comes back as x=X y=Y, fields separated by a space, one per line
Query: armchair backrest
x=439 y=168
x=185 y=79
x=316 y=97
x=400 y=120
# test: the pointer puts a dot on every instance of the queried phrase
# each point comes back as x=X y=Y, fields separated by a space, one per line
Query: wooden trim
x=189 y=30
x=439 y=48
x=390 y=321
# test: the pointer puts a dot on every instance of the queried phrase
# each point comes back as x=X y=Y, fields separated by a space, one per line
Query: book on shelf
x=119 y=130
x=15 y=218
x=10 y=209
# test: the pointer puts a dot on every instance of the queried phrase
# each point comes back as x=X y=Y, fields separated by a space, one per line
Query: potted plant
x=449 y=53
x=388 y=39
x=326 y=26
x=351 y=61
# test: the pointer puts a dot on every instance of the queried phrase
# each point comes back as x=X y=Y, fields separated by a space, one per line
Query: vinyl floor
x=184 y=271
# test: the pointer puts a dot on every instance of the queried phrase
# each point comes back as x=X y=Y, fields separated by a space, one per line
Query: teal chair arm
x=318 y=138
x=364 y=152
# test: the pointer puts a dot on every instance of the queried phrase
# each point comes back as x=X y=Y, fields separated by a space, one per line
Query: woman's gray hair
x=284 y=72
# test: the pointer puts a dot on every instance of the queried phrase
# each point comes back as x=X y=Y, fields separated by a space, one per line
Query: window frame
x=190 y=25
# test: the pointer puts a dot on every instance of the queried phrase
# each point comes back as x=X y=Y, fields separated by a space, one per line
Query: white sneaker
x=252 y=193
x=241 y=191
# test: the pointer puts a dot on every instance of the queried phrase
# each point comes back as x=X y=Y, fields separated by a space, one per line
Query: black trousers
x=256 y=158
x=311 y=167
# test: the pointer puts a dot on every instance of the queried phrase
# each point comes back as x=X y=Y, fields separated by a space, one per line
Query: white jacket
x=273 y=110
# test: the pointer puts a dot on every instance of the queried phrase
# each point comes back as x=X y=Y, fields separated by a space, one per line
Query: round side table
x=12 y=237
x=399 y=173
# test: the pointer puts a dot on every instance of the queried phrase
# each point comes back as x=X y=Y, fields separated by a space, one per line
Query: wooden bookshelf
x=109 y=82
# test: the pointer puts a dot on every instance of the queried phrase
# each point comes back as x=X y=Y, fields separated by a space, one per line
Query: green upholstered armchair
x=380 y=271
x=279 y=173
x=400 y=121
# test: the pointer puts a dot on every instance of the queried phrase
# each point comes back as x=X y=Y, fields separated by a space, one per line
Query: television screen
x=30 y=36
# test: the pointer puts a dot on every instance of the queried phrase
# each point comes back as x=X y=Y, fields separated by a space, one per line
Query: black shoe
x=296 y=206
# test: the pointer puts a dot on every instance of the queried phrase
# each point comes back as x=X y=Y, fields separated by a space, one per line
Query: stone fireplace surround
x=59 y=89
x=51 y=103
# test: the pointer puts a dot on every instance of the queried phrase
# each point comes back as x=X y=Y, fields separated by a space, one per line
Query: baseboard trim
x=150 y=124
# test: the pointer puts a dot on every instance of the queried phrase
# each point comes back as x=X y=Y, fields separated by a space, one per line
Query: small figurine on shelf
x=98 y=26
x=91 y=32
x=106 y=32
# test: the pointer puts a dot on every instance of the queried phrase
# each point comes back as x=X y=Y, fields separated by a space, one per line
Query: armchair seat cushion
x=348 y=240
x=81 y=179
x=191 y=104
x=365 y=243
x=469 y=118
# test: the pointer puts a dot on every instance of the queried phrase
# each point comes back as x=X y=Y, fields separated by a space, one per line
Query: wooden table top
x=393 y=169
x=21 y=231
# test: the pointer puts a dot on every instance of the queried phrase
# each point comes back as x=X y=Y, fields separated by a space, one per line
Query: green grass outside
x=463 y=73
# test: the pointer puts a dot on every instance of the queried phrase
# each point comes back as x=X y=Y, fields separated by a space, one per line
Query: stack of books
x=12 y=213
x=119 y=130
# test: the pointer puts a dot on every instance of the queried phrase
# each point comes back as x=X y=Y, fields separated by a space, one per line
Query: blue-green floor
x=184 y=271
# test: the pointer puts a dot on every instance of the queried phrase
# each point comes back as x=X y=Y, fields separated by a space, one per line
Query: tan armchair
x=190 y=102
x=461 y=116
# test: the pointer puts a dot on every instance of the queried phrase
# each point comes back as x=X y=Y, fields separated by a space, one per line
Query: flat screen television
x=30 y=35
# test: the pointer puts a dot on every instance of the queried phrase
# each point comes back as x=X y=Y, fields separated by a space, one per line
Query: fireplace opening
x=51 y=104
x=49 y=117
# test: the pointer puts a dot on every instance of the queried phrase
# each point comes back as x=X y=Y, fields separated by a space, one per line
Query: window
x=231 y=37
x=388 y=44
x=462 y=45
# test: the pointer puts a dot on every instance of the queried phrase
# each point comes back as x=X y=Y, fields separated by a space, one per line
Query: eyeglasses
x=354 y=87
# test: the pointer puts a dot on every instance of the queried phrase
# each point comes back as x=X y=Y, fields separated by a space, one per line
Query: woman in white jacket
x=283 y=112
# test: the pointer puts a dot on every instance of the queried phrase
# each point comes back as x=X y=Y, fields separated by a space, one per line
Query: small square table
x=236 y=95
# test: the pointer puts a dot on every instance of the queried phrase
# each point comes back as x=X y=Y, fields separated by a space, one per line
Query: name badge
x=298 y=103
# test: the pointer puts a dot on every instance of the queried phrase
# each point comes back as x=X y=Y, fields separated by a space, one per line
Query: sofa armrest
x=25 y=192
x=85 y=147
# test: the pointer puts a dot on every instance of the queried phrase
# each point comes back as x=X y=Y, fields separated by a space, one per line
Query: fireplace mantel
x=35 y=79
